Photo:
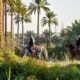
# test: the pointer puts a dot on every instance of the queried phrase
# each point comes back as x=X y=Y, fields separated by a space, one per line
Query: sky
x=67 y=11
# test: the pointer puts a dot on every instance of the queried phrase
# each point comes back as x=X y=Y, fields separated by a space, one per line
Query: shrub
x=30 y=69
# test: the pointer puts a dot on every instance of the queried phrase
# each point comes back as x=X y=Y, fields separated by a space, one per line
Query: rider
x=27 y=50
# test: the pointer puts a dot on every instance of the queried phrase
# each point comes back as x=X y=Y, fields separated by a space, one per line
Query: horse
x=34 y=51
x=39 y=52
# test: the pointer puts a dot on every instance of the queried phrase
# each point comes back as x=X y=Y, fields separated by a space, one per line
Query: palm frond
x=44 y=2
x=44 y=21
x=32 y=8
x=46 y=9
x=27 y=19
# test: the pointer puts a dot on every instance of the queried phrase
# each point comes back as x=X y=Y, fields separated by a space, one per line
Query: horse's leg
x=40 y=55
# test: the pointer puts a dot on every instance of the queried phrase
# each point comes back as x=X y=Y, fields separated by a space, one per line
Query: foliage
x=57 y=53
x=13 y=67
x=71 y=33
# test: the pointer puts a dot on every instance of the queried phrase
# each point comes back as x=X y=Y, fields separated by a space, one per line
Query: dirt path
x=62 y=63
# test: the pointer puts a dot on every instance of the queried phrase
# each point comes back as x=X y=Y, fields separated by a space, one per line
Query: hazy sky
x=67 y=11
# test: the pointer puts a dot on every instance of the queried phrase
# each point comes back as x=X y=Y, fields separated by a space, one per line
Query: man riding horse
x=33 y=50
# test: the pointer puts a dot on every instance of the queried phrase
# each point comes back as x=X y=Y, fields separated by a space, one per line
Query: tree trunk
x=55 y=30
x=22 y=32
x=18 y=32
x=1 y=43
x=49 y=35
x=12 y=29
x=5 y=21
x=3 y=16
x=38 y=25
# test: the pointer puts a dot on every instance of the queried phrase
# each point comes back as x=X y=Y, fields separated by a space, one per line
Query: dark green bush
x=57 y=53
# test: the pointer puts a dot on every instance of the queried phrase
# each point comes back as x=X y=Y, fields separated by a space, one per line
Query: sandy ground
x=62 y=63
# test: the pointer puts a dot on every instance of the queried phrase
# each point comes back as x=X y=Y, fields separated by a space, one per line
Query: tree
x=1 y=31
x=46 y=36
x=5 y=5
x=24 y=17
x=3 y=16
x=17 y=17
x=71 y=33
x=11 y=8
x=49 y=19
x=37 y=5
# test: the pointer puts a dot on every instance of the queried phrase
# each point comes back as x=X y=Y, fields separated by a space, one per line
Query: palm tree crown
x=37 y=5
x=49 y=19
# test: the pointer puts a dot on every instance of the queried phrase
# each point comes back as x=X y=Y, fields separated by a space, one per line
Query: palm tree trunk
x=1 y=44
x=55 y=30
x=49 y=35
x=11 y=29
x=38 y=25
x=22 y=32
x=3 y=16
x=5 y=21
x=18 y=32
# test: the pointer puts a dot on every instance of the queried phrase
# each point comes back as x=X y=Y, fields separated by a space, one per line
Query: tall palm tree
x=37 y=5
x=1 y=24
x=24 y=17
x=11 y=5
x=3 y=15
x=49 y=19
x=5 y=5
x=17 y=17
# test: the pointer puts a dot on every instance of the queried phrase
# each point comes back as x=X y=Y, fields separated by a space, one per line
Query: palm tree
x=49 y=19
x=25 y=17
x=17 y=17
x=37 y=5
x=11 y=8
x=1 y=24
x=3 y=15
x=5 y=5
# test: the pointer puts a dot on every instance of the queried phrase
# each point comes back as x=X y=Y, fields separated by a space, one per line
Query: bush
x=57 y=53
x=16 y=68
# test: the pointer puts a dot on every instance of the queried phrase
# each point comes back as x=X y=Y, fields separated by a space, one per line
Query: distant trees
x=22 y=15
x=71 y=33
x=46 y=36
